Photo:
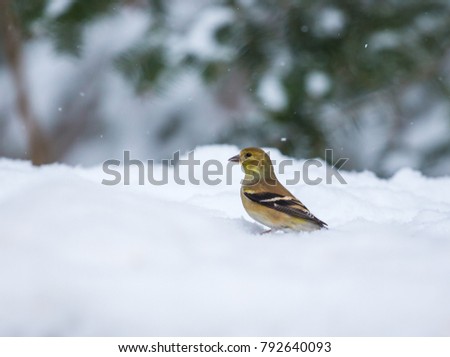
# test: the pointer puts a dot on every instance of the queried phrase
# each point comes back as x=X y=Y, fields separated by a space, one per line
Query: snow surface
x=81 y=258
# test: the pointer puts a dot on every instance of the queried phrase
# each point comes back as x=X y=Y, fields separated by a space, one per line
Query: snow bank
x=81 y=258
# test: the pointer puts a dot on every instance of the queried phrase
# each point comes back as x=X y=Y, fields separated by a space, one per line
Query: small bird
x=266 y=200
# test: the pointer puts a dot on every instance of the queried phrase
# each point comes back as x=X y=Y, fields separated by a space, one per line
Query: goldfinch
x=266 y=200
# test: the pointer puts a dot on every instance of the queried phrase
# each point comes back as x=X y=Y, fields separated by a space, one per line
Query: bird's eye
x=248 y=154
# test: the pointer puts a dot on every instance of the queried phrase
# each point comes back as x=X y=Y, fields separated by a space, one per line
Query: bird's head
x=255 y=162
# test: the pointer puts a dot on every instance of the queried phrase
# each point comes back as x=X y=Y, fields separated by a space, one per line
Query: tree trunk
x=38 y=145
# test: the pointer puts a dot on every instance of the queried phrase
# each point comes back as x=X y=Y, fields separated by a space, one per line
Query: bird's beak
x=234 y=158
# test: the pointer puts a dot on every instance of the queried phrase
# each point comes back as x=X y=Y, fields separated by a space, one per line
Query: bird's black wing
x=286 y=204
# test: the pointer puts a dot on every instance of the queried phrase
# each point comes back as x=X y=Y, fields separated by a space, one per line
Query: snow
x=419 y=135
x=385 y=40
x=57 y=7
x=81 y=258
x=330 y=21
x=272 y=93
x=199 y=39
x=317 y=84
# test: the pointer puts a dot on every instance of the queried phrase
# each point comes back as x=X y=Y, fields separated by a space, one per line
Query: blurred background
x=82 y=81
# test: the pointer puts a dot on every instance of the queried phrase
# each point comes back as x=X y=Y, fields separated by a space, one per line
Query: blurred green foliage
x=341 y=39
x=66 y=29
x=263 y=33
